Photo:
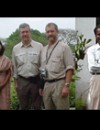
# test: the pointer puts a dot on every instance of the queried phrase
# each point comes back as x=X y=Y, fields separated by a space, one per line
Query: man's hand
x=41 y=92
x=65 y=91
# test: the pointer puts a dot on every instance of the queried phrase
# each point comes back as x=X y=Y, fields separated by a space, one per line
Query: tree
x=68 y=36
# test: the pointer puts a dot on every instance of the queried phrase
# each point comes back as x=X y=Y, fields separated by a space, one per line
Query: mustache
x=50 y=36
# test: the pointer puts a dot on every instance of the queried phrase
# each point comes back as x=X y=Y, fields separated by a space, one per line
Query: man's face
x=25 y=34
x=51 y=33
x=98 y=36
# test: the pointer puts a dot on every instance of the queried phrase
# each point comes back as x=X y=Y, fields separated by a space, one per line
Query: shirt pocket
x=33 y=57
x=55 y=65
x=97 y=57
x=20 y=58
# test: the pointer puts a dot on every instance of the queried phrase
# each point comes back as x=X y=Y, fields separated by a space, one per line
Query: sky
x=9 y=25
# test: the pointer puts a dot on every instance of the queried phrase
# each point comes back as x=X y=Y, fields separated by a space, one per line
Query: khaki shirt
x=60 y=61
x=26 y=60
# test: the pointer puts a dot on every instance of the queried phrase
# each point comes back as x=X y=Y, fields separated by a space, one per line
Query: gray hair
x=50 y=24
x=23 y=25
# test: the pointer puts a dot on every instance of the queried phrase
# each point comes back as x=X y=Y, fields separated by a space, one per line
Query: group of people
x=42 y=74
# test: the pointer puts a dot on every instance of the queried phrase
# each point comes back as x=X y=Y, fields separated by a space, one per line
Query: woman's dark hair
x=2 y=49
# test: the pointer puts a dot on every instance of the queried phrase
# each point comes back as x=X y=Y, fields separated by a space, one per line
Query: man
x=5 y=77
x=25 y=58
x=93 y=55
x=57 y=67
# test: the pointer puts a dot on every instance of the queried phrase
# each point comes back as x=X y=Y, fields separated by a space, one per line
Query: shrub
x=80 y=104
x=14 y=105
x=72 y=94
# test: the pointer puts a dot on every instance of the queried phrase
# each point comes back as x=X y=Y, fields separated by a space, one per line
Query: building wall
x=84 y=26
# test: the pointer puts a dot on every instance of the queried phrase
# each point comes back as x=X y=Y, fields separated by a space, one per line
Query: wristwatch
x=67 y=84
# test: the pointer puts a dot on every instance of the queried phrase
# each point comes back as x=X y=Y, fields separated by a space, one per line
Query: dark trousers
x=28 y=93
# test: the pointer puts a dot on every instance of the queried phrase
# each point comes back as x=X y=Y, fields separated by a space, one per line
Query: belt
x=95 y=73
x=28 y=77
x=31 y=79
x=54 y=80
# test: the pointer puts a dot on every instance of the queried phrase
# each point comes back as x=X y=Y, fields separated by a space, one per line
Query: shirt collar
x=55 y=43
x=98 y=46
x=22 y=45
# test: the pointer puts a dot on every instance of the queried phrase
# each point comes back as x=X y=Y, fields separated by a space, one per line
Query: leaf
x=89 y=40
x=81 y=36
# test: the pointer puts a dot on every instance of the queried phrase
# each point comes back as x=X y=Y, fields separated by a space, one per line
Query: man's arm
x=69 y=75
x=65 y=90
x=69 y=64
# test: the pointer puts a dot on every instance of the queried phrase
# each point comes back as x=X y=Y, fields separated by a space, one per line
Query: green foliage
x=80 y=48
x=80 y=104
x=10 y=42
x=14 y=99
x=40 y=37
x=72 y=94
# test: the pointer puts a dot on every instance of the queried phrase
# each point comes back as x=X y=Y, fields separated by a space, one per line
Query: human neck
x=26 y=43
x=52 y=42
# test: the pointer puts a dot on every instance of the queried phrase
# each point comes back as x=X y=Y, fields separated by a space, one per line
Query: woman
x=5 y=76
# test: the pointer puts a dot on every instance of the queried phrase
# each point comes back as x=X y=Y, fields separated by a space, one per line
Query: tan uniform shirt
x=26 y=60
x=60 y=61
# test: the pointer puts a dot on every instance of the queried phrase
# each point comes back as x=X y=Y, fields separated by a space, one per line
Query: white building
x=86 y=27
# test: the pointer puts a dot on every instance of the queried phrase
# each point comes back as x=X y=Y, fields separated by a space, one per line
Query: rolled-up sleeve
x=68 y=58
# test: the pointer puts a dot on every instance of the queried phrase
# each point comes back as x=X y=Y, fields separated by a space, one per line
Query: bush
x=14 y=105
x=72 y=94
x=80 y=104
